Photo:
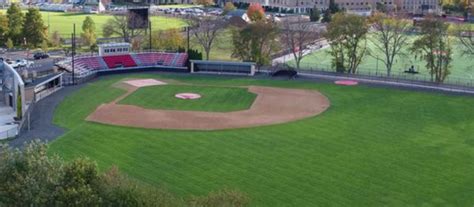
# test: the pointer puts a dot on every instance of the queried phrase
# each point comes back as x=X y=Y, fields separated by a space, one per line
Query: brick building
x=301 y=6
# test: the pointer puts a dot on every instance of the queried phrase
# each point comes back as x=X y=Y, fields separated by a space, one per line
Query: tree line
x=349 y=36
x=31 y=177
x=15 y=32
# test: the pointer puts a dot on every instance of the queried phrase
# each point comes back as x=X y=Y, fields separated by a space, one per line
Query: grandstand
x=88 y=64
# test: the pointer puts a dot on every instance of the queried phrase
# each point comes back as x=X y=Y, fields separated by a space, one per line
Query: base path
x=271 y=106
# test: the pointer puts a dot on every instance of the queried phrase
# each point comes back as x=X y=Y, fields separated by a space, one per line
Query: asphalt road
x=38 y=66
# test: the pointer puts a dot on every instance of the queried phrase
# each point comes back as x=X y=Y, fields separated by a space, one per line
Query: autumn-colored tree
x=347 y=36
x=255 y=12
x=55 y=39
x=171 y=39
x=434 y=46
x=229 y=6
x=204 y=2
x=390 y=38
x=88 y=31
x=256 y=42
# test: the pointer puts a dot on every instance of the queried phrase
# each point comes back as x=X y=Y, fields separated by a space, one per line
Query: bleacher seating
x=88 y=64
x=91 y=63
x=165 y=59
x=116 y=61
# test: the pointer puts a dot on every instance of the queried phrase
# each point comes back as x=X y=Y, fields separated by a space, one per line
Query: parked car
x=40 y=55
x=19 y=63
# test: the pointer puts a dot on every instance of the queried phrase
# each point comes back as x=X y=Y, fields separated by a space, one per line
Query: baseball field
x=370 y=146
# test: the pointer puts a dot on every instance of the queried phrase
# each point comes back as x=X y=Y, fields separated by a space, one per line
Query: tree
x=205 y=31
x=381 y=7
x=15 y=23
x=333 y=7
x=255 y=12
x=465 y=34
x=255 y=42
x=171 y=39
x=3 y=28
x=204 y=2
x=118 y=25
x=88 y=31
x=56 y=39
x=347 y=36
x=434 y=46
x=326 y=16
x=35 y=31
x=229 y=6
x=297 y=36
x=315 y=14
x=390 y=38
x=31 y=177
x=44 y=45
x=9 y=43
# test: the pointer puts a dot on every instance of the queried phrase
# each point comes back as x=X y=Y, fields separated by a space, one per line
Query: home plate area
x=271 y=106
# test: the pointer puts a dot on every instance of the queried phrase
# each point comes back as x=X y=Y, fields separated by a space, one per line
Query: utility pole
x=149 y=39
x=73 y=46
x=188 y=39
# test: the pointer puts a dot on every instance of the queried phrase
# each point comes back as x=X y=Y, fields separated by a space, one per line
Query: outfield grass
x=373 y=147
x=217 y=99
x=462 y=65
x=63 y=22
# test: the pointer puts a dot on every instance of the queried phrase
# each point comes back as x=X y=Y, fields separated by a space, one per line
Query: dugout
x=223 y=67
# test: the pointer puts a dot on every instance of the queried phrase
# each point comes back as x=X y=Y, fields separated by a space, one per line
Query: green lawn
x=222 y=47
x=373 y=147
x=462 y=66
x=63 y=22
x=217 y=99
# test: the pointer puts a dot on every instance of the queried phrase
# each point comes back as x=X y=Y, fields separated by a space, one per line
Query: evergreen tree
x=333 y=7
x=35 y=31
x=15 y=23
x=326 y=16
x=315 y=15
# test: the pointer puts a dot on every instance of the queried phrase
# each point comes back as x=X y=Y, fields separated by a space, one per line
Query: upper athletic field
x=63 y=22
x=373 y=146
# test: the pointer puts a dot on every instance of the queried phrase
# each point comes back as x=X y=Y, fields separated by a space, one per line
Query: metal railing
x=396 y=76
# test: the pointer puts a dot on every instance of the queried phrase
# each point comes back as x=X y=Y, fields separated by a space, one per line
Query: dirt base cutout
x=271 y=106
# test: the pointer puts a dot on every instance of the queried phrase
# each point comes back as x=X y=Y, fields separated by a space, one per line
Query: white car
x=20 y=63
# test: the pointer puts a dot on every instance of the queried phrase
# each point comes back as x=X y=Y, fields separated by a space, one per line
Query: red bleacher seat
x=119 y=61
x=90 y=63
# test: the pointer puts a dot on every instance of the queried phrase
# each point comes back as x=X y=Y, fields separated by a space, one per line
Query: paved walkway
x=42 y=126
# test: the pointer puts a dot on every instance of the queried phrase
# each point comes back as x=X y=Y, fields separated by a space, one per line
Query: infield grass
x=216 y=99
x=373 y=147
